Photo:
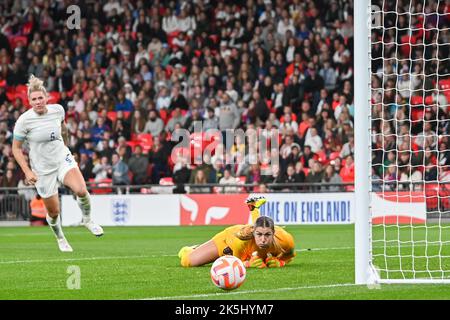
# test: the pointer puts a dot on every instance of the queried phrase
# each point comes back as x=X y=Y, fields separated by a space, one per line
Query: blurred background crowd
x=135 y=71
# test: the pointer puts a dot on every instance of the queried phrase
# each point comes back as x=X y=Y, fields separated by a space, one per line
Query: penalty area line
x=218 y=294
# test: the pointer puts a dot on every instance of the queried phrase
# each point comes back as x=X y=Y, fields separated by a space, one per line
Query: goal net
x=409 y=178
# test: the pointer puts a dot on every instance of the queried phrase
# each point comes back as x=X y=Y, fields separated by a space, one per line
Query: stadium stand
x=230 y=64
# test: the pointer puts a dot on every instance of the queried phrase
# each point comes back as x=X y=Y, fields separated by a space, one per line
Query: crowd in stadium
x=410 y=95
x=135 y=71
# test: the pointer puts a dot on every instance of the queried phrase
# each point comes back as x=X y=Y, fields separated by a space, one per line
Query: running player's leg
x=74 y=180
x=47 y=188
x=203 y=254
x=54 y=221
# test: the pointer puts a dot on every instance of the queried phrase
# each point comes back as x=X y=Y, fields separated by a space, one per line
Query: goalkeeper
x=259 y=245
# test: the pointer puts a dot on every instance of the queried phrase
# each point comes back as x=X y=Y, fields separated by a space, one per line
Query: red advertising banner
x=213 y=209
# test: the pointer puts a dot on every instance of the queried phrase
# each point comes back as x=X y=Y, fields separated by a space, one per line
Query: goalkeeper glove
x=273 y=262
x=254 y=262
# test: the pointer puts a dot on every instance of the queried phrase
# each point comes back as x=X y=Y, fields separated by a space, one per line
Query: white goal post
x=363 y=259
x=399 y=142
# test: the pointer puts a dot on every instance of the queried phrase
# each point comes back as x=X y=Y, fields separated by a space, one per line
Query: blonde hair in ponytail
x=35 y=84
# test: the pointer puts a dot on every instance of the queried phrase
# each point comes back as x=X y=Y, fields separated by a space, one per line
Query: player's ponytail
x=245 y=233
x=35 y=84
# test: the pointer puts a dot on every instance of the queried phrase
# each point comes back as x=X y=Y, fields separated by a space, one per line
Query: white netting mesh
x=410 y=83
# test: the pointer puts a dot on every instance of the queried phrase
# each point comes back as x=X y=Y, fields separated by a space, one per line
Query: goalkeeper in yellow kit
x=259 y=245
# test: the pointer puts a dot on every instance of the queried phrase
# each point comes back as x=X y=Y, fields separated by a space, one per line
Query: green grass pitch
x=142 y=263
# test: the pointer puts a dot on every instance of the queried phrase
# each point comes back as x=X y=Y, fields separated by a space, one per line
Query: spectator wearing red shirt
x=347 y=172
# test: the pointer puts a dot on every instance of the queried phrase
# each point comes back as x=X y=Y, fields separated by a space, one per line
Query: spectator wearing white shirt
x=221 y=11
x=228 y=179
x=140 y=54
x=163 y=100
x=404 y=85
x=287 y=124
x=340 y=52
x=110 y=5
x=186 y=23
x=320 y=28
x=169 y=22
x=313 y=140
x=440 y=99
x=180 y=40
x=290 y=50
x=285 y=24
x=101 y=169
x=286 y=148
x=416 y=76
x=268 y=13
x=348 y=148
x=322 y=101
x=232 y=93
x=129 y=93
x=78 y=103
x=341 y=106
x=279 y=98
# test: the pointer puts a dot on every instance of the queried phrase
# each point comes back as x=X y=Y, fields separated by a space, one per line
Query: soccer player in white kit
x=51 y=161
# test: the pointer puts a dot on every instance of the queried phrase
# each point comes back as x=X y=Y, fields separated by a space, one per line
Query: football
x=228 y=272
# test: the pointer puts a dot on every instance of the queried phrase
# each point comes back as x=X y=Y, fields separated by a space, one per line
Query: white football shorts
x=47 y=185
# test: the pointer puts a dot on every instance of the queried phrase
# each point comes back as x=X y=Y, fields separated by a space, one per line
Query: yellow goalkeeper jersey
x=228 y=243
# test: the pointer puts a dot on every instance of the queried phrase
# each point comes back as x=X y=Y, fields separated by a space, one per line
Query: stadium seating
x=432 y=196
x=14 y=41
x=205 y=48
x=101 y=183
x=166 y=181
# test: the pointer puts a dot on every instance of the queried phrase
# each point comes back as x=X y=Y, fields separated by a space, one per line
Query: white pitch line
x=174 y=255
x=46 y=234
x=218 y=294
x=85 y=259
x=324 y=249
x=126 y=257
x=375 y=247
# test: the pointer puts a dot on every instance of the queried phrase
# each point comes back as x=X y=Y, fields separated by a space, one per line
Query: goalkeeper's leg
x=254 y=207
x=198 y=255
x=255 y=214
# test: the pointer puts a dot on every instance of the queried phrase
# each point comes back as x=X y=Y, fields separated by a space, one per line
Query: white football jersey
x=43 y=134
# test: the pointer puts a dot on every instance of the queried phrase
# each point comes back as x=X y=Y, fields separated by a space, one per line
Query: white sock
x=55 y=225
x=85 y=205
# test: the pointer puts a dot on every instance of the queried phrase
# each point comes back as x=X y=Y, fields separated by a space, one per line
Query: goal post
x=402 y=139
x=362 y=141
